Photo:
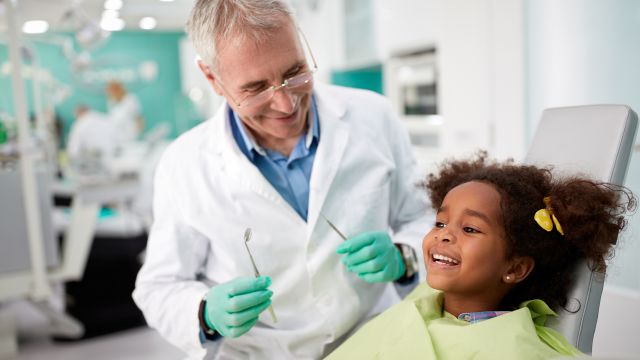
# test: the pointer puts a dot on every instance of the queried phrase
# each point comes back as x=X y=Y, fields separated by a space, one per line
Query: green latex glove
x=233 y=308
x=372 y=256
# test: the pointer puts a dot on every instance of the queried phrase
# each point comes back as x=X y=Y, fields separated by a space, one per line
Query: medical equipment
x=334 y=227
x=247 y=237
x=29 y=278
x=411 y=83
x=31 y=261
x=597 y=141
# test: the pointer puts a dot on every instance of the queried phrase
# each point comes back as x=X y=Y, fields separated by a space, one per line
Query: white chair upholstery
x=593 y=140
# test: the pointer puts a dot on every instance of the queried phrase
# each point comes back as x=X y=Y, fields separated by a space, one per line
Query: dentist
x=279 y=156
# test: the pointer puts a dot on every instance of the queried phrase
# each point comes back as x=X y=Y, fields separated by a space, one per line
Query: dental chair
x=597 y=141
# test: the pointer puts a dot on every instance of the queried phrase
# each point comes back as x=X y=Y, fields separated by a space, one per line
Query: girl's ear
x=519 y=269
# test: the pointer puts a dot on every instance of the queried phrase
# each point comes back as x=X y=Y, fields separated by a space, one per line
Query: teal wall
x=369 y=78
x=119 y=56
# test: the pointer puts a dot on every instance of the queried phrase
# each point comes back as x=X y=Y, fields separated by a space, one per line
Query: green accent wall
x=147 y=63
x=369 y=78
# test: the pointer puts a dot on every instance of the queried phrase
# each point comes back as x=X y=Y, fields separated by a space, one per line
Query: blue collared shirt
x=289 y=176
x=475 y=317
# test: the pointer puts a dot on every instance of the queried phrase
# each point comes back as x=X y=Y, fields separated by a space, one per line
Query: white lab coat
x=207 y=193
x=91 y=132
x=125 y=114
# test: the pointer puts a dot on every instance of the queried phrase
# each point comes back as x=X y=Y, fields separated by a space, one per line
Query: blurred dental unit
x=77 y=218
x=461 y=74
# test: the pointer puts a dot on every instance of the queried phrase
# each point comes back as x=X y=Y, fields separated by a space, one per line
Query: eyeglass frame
x=274 y=88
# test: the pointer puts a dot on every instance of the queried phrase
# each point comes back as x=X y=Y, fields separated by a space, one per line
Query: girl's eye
x=470 y=230
x=440 y=224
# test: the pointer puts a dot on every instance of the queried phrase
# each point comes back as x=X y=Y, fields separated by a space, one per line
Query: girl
x=499 y=258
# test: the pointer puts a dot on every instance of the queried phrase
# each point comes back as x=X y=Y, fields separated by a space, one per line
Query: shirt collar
x=250 y=143
x=474 y=317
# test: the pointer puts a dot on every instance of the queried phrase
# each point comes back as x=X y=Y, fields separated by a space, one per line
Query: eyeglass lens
x=290 y=83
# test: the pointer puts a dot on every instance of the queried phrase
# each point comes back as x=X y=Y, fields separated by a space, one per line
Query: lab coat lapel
x=236 y=165
x=334 y=136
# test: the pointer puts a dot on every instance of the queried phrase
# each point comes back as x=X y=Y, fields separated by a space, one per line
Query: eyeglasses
x=295 y=82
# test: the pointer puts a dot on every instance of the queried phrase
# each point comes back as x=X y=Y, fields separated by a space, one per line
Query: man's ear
x=518 y=270
x=210 y=76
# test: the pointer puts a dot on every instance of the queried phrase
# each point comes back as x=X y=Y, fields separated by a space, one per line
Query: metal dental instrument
x=334 y=227
x=247 y=237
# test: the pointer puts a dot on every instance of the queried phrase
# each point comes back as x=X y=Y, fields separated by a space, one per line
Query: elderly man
x=282 y=158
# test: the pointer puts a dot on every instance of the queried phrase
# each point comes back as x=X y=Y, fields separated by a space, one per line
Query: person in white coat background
x=282 y=154
x=124 y=112
x=91 y=134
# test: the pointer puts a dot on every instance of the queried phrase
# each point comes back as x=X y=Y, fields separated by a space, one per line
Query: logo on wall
x=143 y=72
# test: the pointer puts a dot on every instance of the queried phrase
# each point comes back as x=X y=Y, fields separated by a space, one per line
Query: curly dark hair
x=591 y=214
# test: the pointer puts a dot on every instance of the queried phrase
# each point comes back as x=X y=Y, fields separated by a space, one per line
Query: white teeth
x=445 y=259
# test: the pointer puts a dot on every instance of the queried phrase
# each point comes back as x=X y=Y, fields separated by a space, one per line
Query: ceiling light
x=113 y=4
x=112 y=24
x=147 y=23
x=166 y=0
x=35 y=27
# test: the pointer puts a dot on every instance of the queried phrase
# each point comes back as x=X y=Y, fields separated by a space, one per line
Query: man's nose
x=283 y=101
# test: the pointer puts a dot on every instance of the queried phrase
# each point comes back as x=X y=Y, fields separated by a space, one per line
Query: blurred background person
x=92 y=133
x=124 y=111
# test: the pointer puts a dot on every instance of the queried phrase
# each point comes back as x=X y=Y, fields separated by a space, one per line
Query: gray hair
x=215 y=22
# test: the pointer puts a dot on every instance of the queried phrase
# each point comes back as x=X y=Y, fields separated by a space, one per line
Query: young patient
x=499 y=258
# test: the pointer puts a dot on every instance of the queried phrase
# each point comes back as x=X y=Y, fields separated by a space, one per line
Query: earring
x=508 y=278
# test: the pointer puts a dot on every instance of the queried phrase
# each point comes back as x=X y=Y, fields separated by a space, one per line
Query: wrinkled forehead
x=248 y=58
x=246 y=40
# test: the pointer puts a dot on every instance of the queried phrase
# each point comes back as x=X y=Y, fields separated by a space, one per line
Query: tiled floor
x=139 y=343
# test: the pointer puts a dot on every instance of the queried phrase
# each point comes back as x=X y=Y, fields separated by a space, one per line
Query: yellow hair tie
x=546 y=218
